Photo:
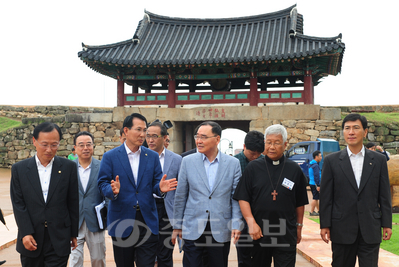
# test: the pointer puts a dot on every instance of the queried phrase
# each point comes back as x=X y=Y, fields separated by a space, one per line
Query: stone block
x=328 y=133
x=12 y=155
x=389 y=138
x=312 y=133
x=395 y=132
x=298 y=112
x=23 y=154
x=330 y=114
x=109 y=132
x=371 y=137
x=289 y=123
x=305 y=125
x=96 y=117
x=382 y=131
x=99 y=150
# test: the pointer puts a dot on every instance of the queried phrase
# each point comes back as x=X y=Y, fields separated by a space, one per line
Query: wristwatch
x=299 y=224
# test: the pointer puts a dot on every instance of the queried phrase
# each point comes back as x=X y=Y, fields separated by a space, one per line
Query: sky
x=40 y=41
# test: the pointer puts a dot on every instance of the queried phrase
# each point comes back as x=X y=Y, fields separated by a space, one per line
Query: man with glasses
x=129 y=176
x=89 y=197
x=272 y=196
x=44 y=195
x=170 y=163
x=205 y=215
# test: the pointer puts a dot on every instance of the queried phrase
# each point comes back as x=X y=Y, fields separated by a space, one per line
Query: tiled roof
x=161 y=40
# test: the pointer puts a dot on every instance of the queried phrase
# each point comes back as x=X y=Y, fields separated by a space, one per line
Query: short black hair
x=216 y=129
x=83 y=133
x=46 y=127
x=164 y=131
x=316 y=153
x=128 y=122
x=370 y=145
x=73 y=149
x=255 y=141
x=355 y=117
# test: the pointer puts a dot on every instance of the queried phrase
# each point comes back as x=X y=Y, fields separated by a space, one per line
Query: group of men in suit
x=51 y=197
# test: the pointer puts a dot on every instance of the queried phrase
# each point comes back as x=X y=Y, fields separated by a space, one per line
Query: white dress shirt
x=84 y=175
x=44 y=175
x=357 y=164
x=134 y=159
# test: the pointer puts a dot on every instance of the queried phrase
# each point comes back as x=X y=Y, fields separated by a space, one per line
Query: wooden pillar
x=135 y=88
x=308 y=88
x=121 y=93
x=253 y=90
x=171 y=92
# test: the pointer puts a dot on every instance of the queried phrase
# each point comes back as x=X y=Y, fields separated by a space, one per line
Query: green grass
x=6 y=123
x=382 y=117
x=391 y=245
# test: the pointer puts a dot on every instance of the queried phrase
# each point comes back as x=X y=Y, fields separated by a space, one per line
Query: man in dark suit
x=129 y=176
x=170 y=162
x=44 y=195
x=355 y=199
x=89 y=197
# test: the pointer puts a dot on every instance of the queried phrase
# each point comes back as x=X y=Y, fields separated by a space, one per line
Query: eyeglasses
x=269 y=144
x=167 y=141
x=203 y=137
x=82 y=146
x=46 y=146
x=154 y=136
x=141 y=130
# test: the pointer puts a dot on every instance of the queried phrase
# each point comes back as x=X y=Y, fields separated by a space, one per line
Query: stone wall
x=303 y=123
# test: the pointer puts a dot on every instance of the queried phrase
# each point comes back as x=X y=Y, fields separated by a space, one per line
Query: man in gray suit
x=205 y=214
x=89 y=197
x=170 y=163
x=355 y=199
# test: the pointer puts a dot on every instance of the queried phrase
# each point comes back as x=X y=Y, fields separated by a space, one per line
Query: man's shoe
x=314 y=213
x=2 y=262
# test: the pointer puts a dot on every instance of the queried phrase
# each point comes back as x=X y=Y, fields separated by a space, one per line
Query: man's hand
x=235 y=234
x=29 y=243
x=167 y=185
x=74 y=242
x=386 y=233
x=115 y=185
x=298 y=234
x=318 y=188
x=176 y=233
x=254 y=230
x=325 y=234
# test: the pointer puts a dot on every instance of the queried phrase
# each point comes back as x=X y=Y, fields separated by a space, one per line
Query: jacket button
x=207 y=211
x=210 y=197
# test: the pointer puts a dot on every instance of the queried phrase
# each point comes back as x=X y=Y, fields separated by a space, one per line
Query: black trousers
x=218 y=253
x=345 y=255
x=244 y=248
x=282 y=256
x=140 y=246
x=47 y=258
x=165 y=246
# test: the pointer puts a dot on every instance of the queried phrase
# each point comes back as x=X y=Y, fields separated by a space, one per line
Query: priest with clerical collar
x=272 y=196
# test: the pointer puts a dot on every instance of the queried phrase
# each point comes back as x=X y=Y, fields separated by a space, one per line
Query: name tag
x=288 y=183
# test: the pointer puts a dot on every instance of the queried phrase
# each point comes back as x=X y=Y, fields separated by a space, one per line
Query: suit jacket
x=171 y=167
x=194 y=201
x=61 y=210
x=90 y=198
x=122 y=209
x=344 y=207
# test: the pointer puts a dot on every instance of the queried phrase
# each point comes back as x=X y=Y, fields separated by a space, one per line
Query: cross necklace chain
x=274 y=193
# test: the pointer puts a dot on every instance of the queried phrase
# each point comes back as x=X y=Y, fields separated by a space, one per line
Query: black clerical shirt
x=255 y=187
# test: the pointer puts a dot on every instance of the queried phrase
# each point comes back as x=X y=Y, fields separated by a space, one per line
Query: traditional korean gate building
x=250 y=60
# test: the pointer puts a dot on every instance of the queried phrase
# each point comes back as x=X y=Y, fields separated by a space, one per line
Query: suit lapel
x=33 y=177
x=92 y=178
x=201 y=170
x=346 y=167
x=124 y=160
x=79 y=182
x=142 y=165
x=220 y=171
x=167 y=163
x=55 y=177
x=368 y=166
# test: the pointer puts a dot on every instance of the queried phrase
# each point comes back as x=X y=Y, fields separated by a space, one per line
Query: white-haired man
x=272 y=195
